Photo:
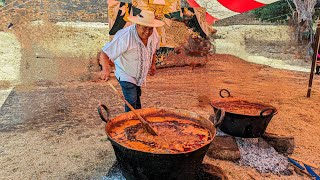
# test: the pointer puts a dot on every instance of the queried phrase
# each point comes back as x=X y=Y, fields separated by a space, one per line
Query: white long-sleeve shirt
x=131 y=57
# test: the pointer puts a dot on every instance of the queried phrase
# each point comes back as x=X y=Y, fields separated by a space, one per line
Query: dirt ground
x=54 y=132
x=50 y=129
x=42 y=51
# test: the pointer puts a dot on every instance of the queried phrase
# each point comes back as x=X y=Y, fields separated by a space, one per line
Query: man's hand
x=105 y=75
x=106 y=69
x=153 y=70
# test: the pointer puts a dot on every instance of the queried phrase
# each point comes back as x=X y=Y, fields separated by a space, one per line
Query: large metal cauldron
x=243 y=125
x=139 y=165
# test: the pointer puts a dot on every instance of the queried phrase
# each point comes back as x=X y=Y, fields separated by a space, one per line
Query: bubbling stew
x=240 y=107
x=175 y=135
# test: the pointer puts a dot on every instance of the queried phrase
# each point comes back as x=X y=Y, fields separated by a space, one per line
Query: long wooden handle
x=127 y=103
x=145 y=124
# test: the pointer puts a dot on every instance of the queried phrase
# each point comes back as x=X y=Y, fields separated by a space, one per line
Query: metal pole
x=314 y=57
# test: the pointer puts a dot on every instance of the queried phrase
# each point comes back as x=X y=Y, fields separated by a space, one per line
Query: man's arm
x=153 y=65
x=105 y=63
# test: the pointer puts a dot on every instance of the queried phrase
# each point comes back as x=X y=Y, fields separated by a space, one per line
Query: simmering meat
x=174 y=135
x=240 y=107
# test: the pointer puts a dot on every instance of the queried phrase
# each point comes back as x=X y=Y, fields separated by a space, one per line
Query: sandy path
x=9 y=57
x=54 y=132
x=255 y=43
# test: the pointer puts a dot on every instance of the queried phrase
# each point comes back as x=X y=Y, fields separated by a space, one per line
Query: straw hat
x=146 y=18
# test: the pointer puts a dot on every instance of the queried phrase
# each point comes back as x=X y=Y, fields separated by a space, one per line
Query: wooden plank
x=314 y=57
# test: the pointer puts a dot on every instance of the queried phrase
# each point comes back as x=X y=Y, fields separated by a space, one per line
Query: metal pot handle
x=102 y=116
x=221 y=91
x=218 y=117
x=268 y=109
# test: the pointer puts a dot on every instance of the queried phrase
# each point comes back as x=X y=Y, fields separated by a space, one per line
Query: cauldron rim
x=150 y=111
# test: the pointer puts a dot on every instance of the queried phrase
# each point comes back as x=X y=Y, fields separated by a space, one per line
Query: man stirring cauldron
x=132 y=50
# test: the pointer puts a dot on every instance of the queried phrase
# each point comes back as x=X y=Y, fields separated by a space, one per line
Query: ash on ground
x=220 y=133
x=114 y=173
x=256 y=153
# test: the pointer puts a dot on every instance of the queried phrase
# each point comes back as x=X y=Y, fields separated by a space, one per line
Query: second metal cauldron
x=243 y=125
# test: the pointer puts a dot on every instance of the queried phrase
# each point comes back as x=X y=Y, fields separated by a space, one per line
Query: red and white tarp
x=221 y=9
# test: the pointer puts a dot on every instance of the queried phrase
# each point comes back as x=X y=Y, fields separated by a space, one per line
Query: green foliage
x=2 y=3
x=274 y=12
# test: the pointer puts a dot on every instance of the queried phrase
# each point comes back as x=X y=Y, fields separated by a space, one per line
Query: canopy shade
x=221 y=9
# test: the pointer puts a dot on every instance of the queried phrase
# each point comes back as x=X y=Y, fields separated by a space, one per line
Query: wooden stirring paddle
x=144 y=123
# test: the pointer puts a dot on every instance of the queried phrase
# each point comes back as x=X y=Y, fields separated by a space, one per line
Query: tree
x=304 y=22
x=2 y=3
x=275 y=12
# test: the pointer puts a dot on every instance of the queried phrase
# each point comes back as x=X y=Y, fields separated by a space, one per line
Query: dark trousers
x=318 y=69
x=132 y=94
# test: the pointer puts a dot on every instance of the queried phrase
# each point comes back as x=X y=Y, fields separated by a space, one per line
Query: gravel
x=258 y=154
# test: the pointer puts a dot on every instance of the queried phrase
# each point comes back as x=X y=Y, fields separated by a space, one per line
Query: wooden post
x=314 y=57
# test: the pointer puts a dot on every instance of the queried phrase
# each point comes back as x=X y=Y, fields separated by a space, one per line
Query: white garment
x=131 y=57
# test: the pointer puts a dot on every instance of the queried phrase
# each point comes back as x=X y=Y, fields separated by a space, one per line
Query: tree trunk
x=303 y=21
